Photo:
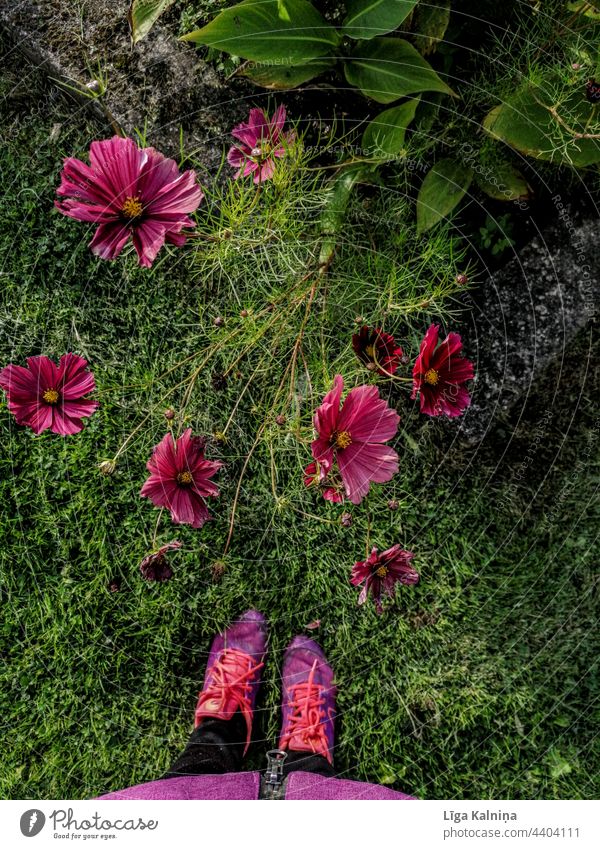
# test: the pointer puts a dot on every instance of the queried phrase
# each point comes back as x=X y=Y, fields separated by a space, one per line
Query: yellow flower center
x=184 y=478
x=370 y=351
x=132 y=208
x=50 y=396
x=432 y=377
x=382 y=572
x=343 y=439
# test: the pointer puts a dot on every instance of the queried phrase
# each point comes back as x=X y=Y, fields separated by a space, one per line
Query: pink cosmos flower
x=45 y=395
x=381 y=572
x=351 y=438
x=440 y=373
x=180 y=478
x=263 y=141
x=377 y=350
x=130 y=192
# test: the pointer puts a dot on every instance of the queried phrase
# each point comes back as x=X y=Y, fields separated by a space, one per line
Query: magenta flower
x=377 y=350
x=381 y=572
x=318 y=475
x=180 y=478
x=46 y=396
x=155 y=566
x=129 y=192
x=350 y=440
x=263 y=141
x=440 y=374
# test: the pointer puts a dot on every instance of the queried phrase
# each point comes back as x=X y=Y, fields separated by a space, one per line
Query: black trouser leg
x=216 y=746
x=307 y=762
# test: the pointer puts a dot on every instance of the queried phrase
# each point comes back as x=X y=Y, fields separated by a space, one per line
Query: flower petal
x=109 y=240
x=361 y=463
x=367 y=417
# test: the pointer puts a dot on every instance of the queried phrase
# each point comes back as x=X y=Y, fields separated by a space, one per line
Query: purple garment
x=246 y=785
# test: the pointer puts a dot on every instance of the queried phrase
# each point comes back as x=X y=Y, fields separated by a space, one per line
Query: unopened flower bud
x=358 y=319
x=219 y=321
x=393 y=504
x=280 y=419
x=217 y=570
x=405 y=359
x=114 y=586
x=107 y=467
x=346 y=520
x=244 y=313
x=576 y=66
x=371 y=366
x=169 y=414
x=462 y=279
x=95 y=86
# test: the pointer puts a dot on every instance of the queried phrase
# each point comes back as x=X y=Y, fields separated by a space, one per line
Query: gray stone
x=526 y=315
x=159 y=84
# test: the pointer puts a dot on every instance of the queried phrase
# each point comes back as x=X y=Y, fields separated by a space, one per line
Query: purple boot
x=308 y=700
x=232 y=676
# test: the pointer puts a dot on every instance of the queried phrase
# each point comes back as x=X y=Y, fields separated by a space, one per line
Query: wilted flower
x=377 y=349
x=379 y=573
x=130 y=192
x=217 y=570
x=155 y=566
x=107 y=467
x=263 y=141
x=592 y=91
x=440 y=373
x=45 y=395
x=325 y=478
x=352 y=437
x=180 y=478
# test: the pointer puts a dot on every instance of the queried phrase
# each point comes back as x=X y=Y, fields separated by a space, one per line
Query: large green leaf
x=503 y=181
x=389 y=68
x=143 y=14
x=430 y=25
x=442 y=190
x=384 y=136
x=526 y=123
x=369 y=18
x=332 y=217
x=286 y=76
x=269 y=30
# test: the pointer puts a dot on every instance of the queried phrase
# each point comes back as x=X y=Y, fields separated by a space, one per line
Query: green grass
x=482 y=681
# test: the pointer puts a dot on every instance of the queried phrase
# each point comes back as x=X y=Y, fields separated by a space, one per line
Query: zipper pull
x=275 y=761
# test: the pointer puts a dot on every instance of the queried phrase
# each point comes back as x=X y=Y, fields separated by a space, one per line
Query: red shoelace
x=307 y=720
x=231 y=679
